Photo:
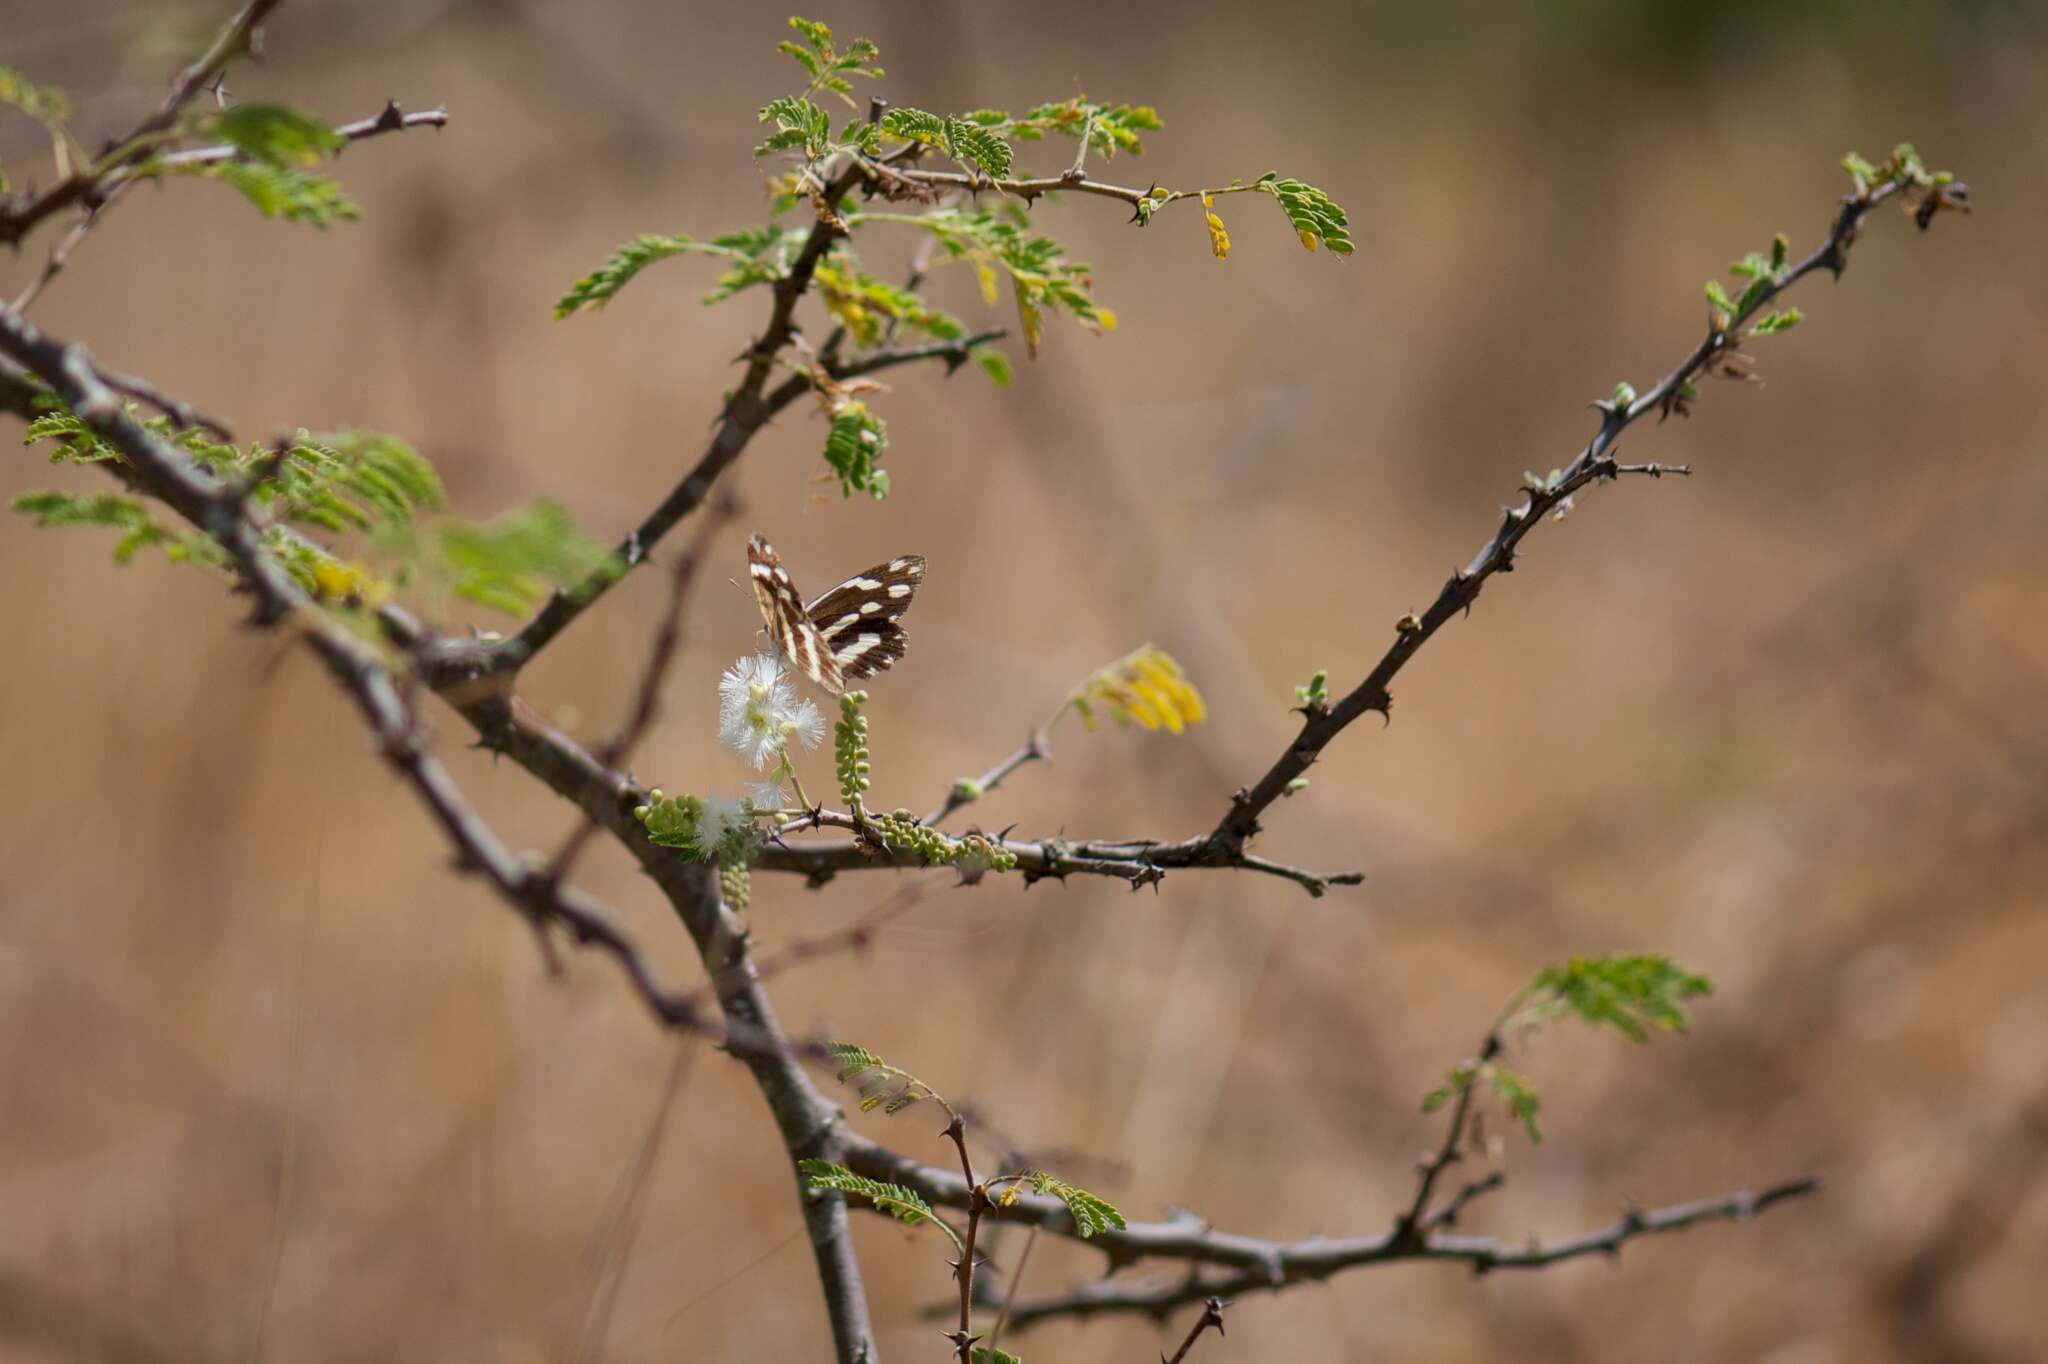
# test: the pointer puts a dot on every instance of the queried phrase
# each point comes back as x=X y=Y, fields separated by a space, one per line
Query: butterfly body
x=851 y=632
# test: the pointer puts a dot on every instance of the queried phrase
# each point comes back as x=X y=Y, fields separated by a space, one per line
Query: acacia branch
x=1258 y=1265
x=20 y=214
x=807 y=1120
x=1318 y=1259
x=1596 y=461
x=1137 y=862
x=111 y=186
x=219 y=508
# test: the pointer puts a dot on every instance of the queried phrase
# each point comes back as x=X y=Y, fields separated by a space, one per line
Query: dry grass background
x=275 y=1084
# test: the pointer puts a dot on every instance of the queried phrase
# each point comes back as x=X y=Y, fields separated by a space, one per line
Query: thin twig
x=1212 y=1316
x=968 y=790
x=1596 y=461
x=614 y=751
x=1410 y=1224
x=1136 y=862
x=237 y=36
x=1010 y=1289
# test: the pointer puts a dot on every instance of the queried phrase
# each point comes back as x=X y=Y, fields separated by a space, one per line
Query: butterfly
x=849 y=633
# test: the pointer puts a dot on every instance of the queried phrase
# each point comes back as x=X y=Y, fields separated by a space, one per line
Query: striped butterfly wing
x=790 y=628
x=860 y=621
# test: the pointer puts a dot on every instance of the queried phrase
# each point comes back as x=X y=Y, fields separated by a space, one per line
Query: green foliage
x=975 y=145
x=1772 y=323
x=1090 y=1213
x=995 y=364
x=1315 y=219
x=282 y=192
x=1630 y=992
x=350 y=480
x=900 y=1203
x=512 y=562
x=1517 y=1096
x=111 y=510
x=872 y=310
x=799 y=124
x=854 y=447
x=275 y=134
x=672 y=822
x=1109 y=128
x=1514 y=1091
x=42 y=103
x=1316 y=694
x=984 y=1355
x=889 y=1088
x=760 y=256
x=1044 y=280
x=828 y=68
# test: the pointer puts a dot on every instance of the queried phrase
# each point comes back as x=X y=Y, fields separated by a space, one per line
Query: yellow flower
x=1219 y=239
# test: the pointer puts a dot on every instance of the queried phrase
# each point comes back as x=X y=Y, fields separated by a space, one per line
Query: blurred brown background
x=274 y=1083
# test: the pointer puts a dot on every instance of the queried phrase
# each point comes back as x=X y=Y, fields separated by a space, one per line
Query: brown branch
x=807 y=1121
x=218 y=508
x=112 y=185
x=1410 y=1225
x=22 y=213
x=1596 y=461
x=1319 y=1259
x=1212 y=1309
x=660 y=658
x=967 y=790
x=1137 y=862
x=747 y=410
x=1257 y=1265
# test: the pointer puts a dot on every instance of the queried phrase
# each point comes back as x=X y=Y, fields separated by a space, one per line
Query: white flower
x=759 y=711
x=765 y=796
x=720 y=818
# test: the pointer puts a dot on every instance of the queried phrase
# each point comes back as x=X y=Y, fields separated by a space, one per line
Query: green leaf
x=1860 y=171
x=42 y=103
x=512 y=563
x=978 y=147
x=900 y=1203
x=971 y=142
x=1630 y=992
x=1459 y=1079
x=984 y=1355
x=1717 y=297
x=113 y=511
x=276 y=134
x=1090 y=1213
x=889 y=1088
x=914 y=125
x=280 y=192
x=799 y=123
x=854 y=447
x=1771 y=323
x=757 y=254
x=1519 y=1097
x=995 y=364
x=1315 y=219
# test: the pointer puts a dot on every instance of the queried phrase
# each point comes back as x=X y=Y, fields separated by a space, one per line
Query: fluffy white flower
x=720 y=818
x=759 y=711
x=765 y=795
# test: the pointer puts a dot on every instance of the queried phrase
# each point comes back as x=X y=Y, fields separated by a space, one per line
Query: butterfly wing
x=859 y=621
x=790 y=628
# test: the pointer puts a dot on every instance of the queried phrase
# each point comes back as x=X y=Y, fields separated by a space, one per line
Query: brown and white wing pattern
x=860 y=621
x=790 y=628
